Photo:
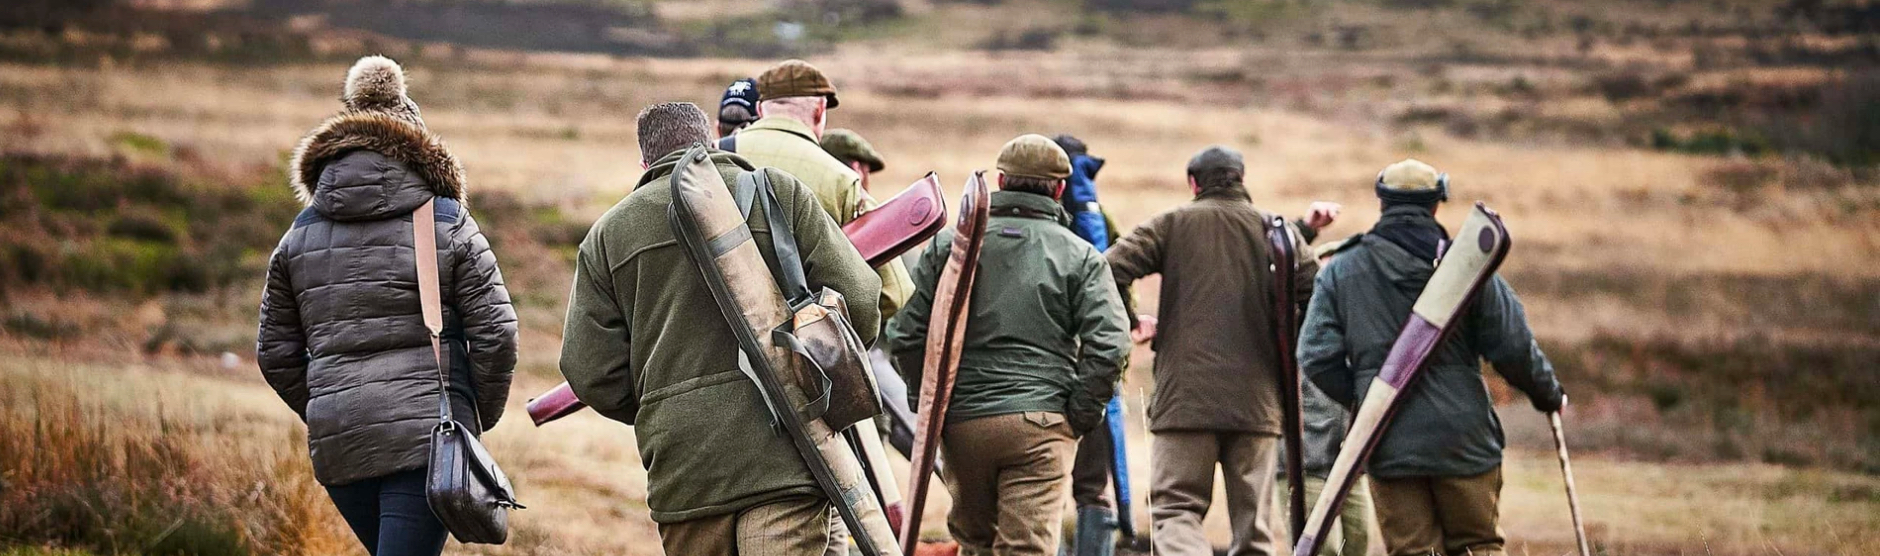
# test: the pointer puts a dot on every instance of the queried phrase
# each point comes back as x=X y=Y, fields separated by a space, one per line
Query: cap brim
x=832 y=99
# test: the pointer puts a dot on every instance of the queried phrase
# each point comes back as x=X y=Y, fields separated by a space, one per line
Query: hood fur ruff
x=389 y=135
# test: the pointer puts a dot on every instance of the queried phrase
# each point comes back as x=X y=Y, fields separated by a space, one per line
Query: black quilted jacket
x=342 y=340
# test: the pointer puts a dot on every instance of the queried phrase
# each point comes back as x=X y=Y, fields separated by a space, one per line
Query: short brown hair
x=671 y=126
x=1041 y=186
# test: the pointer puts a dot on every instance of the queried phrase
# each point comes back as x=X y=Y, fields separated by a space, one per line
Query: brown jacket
x=1214 y=350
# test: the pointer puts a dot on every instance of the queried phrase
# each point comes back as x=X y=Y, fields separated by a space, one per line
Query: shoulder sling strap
x=424 y=245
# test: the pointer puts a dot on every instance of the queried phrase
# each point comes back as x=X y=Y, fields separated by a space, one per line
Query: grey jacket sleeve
x=1498 y=329
x=281 y=344
x=1103 y=344
x=829 y=260
x=1322 y=354
x=596 y=347
x=489 y=319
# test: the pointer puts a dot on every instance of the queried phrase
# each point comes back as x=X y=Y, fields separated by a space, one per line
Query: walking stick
x=1566 y=469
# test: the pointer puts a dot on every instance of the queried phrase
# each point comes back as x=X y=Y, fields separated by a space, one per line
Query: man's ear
x=1193 y=186
x=644 y=165
x=1058 y=193
x=1001 y=181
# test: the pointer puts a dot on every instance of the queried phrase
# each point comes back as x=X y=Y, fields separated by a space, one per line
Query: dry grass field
x=1711 y=296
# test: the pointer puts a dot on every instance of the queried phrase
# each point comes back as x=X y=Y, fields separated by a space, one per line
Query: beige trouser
x=1006 y=474
x=1182 y=487
x=796 y=526
x=1455 y=516
x=1350 y=536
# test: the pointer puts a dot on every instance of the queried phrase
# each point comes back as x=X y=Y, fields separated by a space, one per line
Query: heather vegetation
x=1694 y=189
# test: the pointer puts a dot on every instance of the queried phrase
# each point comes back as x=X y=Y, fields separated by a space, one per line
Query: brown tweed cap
x=795 y=78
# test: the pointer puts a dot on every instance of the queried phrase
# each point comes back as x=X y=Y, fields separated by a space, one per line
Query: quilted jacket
x=341 y=336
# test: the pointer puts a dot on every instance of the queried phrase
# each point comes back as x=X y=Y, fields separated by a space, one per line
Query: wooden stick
x=1566 y=469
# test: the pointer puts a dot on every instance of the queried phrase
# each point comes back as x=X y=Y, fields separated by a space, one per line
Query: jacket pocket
x=690 y=384
x=1044 y=419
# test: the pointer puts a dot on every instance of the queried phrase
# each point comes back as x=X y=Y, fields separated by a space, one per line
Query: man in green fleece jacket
x=644 y=344
x=1045 y=341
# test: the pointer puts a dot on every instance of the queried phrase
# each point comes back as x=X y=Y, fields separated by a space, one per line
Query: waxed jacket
x=645 y=344
x=1046 y=329
x=1445 y=424
x=1215 y=355
x=342 y=339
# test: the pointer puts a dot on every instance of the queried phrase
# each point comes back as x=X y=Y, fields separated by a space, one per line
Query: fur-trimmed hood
x=397 y=139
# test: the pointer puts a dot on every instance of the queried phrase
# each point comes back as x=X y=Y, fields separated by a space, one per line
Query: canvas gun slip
x=714 y=234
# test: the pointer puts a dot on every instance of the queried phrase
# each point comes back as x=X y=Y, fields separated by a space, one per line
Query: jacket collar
x=1032 y=203
x=663 y=167
x=1230 y=193
x=786 y=125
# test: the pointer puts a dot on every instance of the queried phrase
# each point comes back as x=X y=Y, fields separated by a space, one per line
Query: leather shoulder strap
x=424 y=247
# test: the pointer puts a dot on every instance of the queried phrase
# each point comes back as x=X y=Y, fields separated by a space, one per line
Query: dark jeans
x=390 y=515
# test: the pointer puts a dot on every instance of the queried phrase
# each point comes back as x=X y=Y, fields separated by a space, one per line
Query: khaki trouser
x=1455 y=516
x=1006 y=474
x=1182 y=487
x=796 y=526
x=1350 y=536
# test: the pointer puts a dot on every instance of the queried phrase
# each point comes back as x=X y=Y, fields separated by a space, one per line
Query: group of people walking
x=1048 y=335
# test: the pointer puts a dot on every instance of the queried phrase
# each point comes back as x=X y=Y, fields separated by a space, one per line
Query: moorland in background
x=1693 y=186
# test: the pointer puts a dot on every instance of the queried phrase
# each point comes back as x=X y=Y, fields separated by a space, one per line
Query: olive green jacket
x=645 y=344
x=791 y=146
x=1215 y=356
x=1046 y=329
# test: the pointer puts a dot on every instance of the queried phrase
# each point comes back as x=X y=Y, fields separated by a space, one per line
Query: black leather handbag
x=465 y=488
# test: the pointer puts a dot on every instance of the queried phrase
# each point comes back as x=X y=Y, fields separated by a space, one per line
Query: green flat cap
x=1034 y=156
x=847 y=146
x=795 y=78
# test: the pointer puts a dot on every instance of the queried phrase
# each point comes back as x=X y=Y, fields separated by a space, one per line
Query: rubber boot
x=1096 y=532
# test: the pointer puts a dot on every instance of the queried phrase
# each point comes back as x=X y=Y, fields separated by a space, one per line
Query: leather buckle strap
x=424 y=247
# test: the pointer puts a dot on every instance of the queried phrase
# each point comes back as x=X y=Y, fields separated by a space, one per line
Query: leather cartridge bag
x=835 y=370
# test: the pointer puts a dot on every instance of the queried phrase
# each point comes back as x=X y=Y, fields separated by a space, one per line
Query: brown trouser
x=1455 y=516
x=1006 y=474
x=1182 y=464
x=797 y=526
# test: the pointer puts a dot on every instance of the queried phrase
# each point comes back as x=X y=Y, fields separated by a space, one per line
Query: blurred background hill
x=1693 y=185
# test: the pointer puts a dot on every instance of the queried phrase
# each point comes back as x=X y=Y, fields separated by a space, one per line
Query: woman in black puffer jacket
x=342 y=339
